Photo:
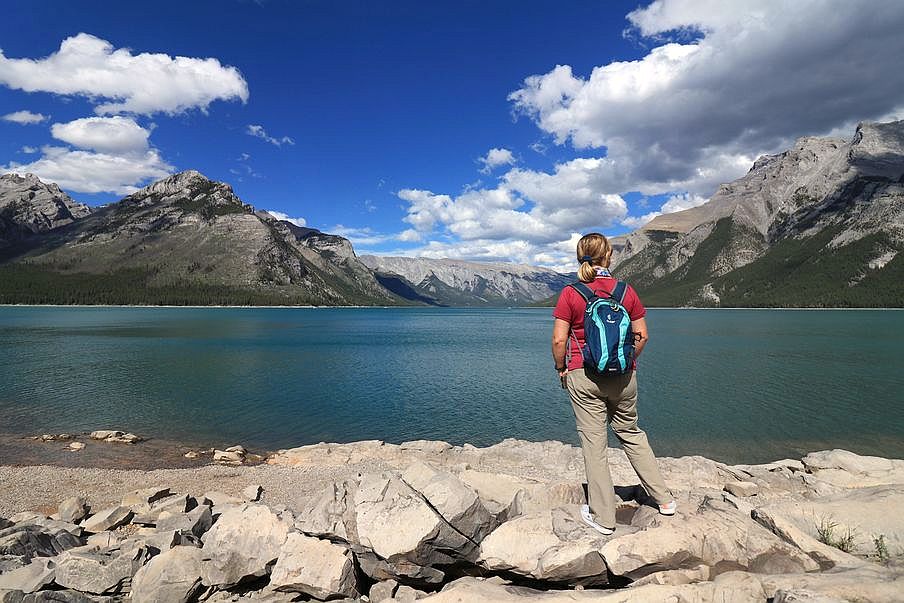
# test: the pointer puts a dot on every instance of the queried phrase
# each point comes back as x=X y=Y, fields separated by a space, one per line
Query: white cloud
x=259 y=132
x=538 y=147
x=670 y=206
x=142 y=83
x=115 y=135
x=410 y=235
x=89 y=172
x=495 y=158
x=681 y=202
x=29 y=150
x=25 y=117
x=757 y=75
x=113 y=156
x=638 y=221
x=528 y=205
x=286 y=218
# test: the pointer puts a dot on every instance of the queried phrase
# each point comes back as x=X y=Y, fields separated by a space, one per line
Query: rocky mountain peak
x=183 y=183
x=28 y=181
x=31 y=205
x=877 y=148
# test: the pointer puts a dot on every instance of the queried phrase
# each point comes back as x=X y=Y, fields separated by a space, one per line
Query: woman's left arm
x=641 y=335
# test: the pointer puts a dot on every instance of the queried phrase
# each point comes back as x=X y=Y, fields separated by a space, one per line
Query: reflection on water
x=737 y=385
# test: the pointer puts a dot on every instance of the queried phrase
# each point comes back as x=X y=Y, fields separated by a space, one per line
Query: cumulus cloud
x=756 y=75
x=671 y=205
x=25 y=117
x=259 y=132
x=29 y=150
x=112 y=155
x=527 y=205
x=90 y=172
x=286 y=218
x=116 y=135
x=495 y=158
x=142 y=83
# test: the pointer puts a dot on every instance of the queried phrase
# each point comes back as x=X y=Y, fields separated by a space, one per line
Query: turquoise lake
x=735 y=385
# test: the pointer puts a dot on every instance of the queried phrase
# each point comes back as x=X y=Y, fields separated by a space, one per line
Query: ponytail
x=593 y=250
x=586 y=272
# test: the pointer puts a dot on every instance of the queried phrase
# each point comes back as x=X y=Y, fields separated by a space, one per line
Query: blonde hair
x=593 y=250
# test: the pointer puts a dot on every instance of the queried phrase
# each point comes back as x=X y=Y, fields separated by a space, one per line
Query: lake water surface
x=735 y=385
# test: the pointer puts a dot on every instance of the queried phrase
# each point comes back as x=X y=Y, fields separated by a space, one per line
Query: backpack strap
x=584 y=291
x=619 y=291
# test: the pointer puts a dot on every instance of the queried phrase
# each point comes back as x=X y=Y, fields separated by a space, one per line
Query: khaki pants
x=597 y=400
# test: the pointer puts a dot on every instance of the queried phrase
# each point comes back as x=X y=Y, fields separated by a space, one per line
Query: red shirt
x=571 y=306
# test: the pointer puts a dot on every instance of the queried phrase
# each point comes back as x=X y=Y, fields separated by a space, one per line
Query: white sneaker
x=668 y=508
x=587 y=516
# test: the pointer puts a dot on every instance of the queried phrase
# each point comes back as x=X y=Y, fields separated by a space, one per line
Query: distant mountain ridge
x=186 y=239
x=821 y=224
x=449 y=282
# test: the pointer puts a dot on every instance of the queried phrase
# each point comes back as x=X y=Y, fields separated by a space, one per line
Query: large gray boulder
x=397 y=523
x=173 y=576
x=73 y=510
x=551 y=545
x=456 y=503
x=332 y=515
x=395 y=531
x=314 y=567
x=243 y=542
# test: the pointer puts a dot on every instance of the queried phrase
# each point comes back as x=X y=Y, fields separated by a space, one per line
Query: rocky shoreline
x=371 y=521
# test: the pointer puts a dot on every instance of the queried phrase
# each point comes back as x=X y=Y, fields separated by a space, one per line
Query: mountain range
x=819 y=225
x=190 y=240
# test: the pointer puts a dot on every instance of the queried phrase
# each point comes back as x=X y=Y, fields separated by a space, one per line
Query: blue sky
x=483 y=130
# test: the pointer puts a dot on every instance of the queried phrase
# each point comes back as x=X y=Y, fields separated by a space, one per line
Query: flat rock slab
x=742 y=488
x=863 y=513
x=29 y=541
x=99 y=573
x=848 y=470
x=715 y=534
x=31 y=578
x=728 y=588
x=107 y=519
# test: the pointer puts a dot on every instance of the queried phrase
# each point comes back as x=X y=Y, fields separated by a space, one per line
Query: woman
x=597 y=398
